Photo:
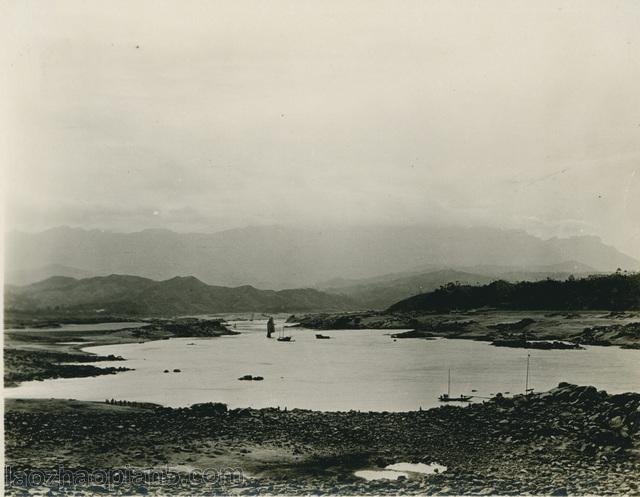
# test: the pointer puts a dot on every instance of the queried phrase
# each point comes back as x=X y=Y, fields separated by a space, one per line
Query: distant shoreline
x=36 y=355
x=516 y=328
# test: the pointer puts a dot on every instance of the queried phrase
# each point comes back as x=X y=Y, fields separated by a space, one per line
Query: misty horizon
x=508 y=115
x=279 y=257
x=313 y=228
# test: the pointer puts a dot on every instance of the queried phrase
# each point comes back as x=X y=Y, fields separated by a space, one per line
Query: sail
x=271 y=327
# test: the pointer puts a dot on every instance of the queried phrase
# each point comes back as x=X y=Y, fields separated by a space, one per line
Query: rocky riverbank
x=523 y=343
x=570 y=440
x=38 y=355
x=526 y=329
x=27 y=365
x=22 y=319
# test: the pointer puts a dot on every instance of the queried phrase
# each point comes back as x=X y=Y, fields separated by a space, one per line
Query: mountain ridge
x=135 y=295
x=282 y=257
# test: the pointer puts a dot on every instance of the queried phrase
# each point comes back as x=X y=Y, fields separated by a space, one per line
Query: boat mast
x=449 y=384
x=526 y=381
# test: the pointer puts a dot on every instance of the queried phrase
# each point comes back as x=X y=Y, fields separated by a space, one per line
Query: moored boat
x=462 y=398
x=282 y=337
x=446 y=397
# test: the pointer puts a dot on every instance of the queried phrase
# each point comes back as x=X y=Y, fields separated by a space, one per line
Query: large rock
x=628 y=399
x=589 y=394
x=616 y=423
x=611 y=438
x=209 y=408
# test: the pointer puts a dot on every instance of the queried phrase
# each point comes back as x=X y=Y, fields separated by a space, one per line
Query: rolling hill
x=27 y=276
x=382 y=291
x=134 y=295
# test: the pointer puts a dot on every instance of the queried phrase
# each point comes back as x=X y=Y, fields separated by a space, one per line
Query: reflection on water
x=361 y=369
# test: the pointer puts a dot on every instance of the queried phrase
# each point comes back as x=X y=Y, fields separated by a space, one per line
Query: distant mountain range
x=281 y=257
x=134 y=295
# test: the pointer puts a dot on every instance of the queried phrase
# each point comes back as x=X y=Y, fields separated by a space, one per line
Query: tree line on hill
x=617 y=292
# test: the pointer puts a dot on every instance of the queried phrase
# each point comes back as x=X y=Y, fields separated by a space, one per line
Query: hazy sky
x=210 y=115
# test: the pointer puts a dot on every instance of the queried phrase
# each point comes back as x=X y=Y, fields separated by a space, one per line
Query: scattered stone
x=558 y=443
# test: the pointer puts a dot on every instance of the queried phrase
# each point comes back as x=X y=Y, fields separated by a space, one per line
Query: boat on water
x=322 y=337
x=446 y=397
x=462 y=398
x=283 y=337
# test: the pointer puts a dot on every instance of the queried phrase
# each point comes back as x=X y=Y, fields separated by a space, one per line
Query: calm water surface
x=361 y=369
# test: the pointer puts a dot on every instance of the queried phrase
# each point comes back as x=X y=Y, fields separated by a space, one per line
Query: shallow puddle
x=381 y=474
x=395 y=471
x=425 y=469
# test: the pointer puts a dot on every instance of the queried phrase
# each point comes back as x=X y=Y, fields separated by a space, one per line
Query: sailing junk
x=271 y=327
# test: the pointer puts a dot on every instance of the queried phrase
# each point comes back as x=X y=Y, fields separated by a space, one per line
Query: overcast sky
x=200 y=116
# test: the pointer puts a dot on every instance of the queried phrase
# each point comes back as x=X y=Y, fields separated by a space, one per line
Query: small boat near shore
x=282 y=337
x=462 y=398
x=446 y=397
x=322 y=337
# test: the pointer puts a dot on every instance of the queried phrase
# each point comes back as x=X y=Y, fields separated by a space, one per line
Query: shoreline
x=570 y=440
x=38 y=355
x=517 y=328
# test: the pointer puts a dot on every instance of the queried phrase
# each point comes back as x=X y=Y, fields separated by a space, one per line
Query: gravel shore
x=570 y=440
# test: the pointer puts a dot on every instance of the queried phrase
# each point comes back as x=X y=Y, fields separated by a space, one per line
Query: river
x=355 y=369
